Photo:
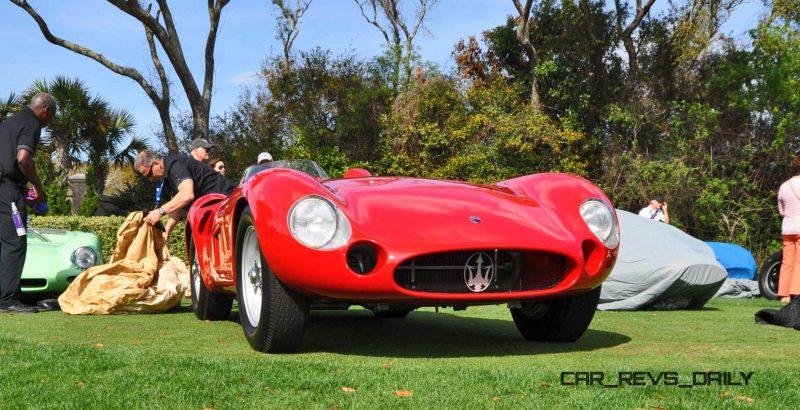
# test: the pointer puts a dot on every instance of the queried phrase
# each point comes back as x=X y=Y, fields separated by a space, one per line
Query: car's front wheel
x=206 y=305
x=556 y=320
x=768 y=276
x=273 y=316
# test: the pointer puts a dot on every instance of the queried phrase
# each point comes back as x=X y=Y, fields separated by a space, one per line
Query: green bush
x=105 y=227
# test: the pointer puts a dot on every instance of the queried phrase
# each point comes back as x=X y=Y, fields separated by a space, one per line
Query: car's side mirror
x=357 y=173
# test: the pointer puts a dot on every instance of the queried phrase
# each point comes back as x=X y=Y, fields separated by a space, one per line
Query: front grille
x=481 y=271
x=32 y=283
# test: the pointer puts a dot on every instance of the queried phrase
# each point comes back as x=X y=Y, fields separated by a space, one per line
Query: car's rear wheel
x=206 y=305
x=273 y=316
x=557 y=320
x=768 y=276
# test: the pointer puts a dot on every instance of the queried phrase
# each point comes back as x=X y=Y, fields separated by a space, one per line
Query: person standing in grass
x=789 y=209
x=19 y=138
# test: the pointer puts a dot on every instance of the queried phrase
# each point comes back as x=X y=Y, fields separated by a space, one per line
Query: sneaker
x=18 y=308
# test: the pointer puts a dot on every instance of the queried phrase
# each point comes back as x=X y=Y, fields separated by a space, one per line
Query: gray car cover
x=660 y=267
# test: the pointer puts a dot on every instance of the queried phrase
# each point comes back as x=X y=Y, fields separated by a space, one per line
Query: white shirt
x=649 y=213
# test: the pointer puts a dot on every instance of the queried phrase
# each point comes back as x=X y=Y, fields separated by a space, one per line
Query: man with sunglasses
x=200 y=149
x=181 y=178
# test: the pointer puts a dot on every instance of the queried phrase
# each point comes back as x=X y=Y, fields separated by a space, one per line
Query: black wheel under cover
x=273 y=316
x=557 y=320
x=768 y=276
x=205 y=305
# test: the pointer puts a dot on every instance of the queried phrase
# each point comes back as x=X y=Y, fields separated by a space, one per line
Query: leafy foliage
x=90 y=198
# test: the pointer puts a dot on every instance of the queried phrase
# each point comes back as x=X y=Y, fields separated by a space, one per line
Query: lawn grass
x=466 y=360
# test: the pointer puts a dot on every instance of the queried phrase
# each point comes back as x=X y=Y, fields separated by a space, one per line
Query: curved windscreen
x=303 y=165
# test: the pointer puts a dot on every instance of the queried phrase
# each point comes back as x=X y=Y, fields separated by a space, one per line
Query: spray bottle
x=17 y=217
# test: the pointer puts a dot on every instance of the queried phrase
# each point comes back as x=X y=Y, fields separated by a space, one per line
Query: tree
x=524 y=25
x=397 y=32
x=10 y=105
x=86 y=127
x=289 y=24
x=626 y=34
x=697 y=28
x=103 y=145
x=77 y=114
x=159 y=27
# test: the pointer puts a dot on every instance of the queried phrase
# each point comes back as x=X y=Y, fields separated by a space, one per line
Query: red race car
x=289 y=239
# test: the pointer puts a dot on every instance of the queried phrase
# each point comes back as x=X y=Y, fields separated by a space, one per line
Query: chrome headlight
x=319 y=224
x=600 y=220
x=84 y=257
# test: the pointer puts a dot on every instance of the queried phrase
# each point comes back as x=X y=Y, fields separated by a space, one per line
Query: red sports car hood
x=410 y=212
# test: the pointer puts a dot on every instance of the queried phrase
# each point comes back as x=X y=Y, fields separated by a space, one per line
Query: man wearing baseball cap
x=201 y=149
x=657 y=210
x=264 y=158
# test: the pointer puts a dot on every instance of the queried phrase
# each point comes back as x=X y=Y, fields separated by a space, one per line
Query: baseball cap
x=200 y=142
x=264 y=156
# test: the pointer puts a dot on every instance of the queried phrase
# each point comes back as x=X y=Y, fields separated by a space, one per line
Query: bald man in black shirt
x=19 y=138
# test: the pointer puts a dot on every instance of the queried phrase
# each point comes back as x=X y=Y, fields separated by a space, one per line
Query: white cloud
x=246 y=78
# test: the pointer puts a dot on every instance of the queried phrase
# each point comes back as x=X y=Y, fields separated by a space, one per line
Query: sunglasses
x=149 y=173
x=221 y=167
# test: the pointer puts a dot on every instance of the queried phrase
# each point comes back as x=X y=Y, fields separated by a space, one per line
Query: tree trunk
x=167 y=36
x=626 y=34
x=524 y=37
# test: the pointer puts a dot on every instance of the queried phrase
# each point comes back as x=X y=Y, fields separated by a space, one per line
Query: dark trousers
x=13 y=247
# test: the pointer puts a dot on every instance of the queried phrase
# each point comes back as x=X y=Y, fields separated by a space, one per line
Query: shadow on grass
x=428 y=334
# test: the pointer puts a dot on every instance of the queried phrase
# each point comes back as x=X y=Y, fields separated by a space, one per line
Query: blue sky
x=246 y=38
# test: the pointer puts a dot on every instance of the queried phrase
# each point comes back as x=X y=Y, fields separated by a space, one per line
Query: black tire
x=205 y=304
x=273 y=316
x=559 y=320
x=768 y=276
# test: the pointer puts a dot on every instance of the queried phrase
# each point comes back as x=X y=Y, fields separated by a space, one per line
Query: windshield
x=303 y=165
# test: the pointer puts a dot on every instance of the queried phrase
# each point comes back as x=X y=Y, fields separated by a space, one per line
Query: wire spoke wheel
x=252 y=284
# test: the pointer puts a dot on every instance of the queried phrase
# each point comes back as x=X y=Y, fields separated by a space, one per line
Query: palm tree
x=10 y=105
x=104 y=145
x=86 y=127
x=76 y=112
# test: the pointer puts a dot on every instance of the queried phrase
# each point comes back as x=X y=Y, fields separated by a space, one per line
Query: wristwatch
x=161 y=211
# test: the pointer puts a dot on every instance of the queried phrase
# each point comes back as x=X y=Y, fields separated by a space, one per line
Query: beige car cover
x=140 y=277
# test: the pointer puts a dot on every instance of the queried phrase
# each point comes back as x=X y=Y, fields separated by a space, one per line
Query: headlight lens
x=84 y=257
x=318 y=224
x=600 y=220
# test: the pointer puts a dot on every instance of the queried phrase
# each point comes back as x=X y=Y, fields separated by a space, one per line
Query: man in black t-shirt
x=19 y=138
x=184 y=179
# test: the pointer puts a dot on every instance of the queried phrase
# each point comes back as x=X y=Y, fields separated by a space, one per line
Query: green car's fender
x=51 y=263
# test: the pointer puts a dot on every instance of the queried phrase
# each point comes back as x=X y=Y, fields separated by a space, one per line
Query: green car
x=55 y=257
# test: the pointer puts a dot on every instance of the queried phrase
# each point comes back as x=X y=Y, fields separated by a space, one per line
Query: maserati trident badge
x=478 y=272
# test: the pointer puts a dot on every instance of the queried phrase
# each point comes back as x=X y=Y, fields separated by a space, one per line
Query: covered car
x=737 y=261
x=55 y=257
x=660 y=267
x=290 y=239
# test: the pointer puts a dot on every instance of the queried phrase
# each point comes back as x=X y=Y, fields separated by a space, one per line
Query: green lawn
x=471 y=359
